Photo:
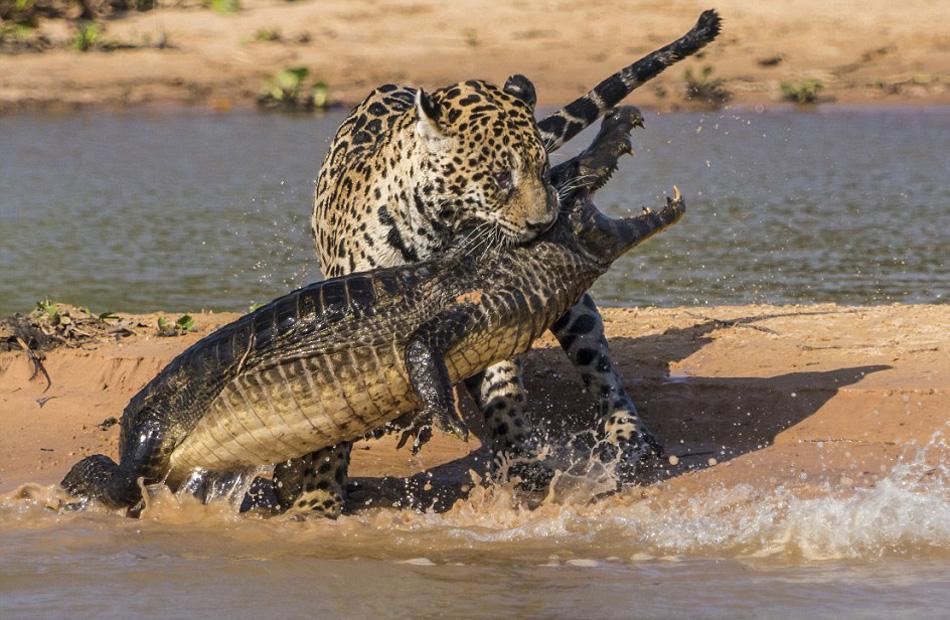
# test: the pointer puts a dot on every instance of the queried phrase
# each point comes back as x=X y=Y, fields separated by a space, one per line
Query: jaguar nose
x=539 y=226
x=544 y=211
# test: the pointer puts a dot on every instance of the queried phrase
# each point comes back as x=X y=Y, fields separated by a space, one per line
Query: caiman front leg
x=314 y=483
x=498 y=391
x=429 y=376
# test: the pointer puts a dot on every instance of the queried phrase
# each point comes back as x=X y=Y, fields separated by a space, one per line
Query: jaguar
x=408 y=169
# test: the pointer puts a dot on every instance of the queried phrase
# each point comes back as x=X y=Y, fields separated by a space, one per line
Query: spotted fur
x=407 y=169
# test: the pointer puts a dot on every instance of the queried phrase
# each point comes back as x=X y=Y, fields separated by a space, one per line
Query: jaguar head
x=484 y=165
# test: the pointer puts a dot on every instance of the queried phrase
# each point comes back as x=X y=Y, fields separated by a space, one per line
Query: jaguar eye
x=503 y=180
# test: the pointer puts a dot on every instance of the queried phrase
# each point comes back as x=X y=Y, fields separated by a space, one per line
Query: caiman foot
x=418 y=426
x=99 y=478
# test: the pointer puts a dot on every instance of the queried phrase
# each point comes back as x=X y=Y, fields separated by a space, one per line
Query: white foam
x=906 y=512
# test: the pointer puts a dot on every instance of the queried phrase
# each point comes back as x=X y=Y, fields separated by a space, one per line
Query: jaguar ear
x=428 y=113
x=522 y=88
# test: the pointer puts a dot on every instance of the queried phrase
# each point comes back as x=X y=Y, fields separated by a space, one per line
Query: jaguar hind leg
x=622 y=431
x=314 y=484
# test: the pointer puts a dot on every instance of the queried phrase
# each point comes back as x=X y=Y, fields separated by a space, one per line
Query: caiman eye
x=503 y=180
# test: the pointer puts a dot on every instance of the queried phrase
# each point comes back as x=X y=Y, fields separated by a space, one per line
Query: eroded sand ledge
x=791 y=395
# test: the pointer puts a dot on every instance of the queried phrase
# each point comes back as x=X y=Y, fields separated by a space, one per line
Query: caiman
x=337 y=359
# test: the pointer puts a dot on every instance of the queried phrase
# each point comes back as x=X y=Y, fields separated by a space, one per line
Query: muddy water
x=881 y=551
x=143 y=211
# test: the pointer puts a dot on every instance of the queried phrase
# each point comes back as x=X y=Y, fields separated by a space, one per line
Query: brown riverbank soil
x=866 y=52
x=758 y=395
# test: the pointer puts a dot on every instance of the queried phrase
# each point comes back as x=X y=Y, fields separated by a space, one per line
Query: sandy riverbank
x=757 y=395
x=866 y=52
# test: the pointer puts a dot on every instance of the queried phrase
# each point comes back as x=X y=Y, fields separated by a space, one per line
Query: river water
x=142 y=211
x=878 y=552
x=139 y=211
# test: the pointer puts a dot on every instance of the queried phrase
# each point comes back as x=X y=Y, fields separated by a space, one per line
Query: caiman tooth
x=626 y=148
x=603 y=180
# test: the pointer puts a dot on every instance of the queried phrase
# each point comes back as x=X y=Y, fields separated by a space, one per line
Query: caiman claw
x=420 y=433
x=449 y=420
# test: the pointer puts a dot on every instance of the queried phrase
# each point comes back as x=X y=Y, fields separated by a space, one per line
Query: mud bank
x=862 y=52
x=797 y=396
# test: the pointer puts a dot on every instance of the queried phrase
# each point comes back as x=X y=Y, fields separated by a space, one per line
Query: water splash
x=905 y=513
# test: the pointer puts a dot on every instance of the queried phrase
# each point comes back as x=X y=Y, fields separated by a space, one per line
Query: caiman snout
x=606 y=238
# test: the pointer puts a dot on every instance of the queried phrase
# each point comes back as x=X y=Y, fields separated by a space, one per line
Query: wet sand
x=864 y=52
x=762 y=396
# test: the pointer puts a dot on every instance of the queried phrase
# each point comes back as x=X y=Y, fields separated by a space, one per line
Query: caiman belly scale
x=326 y=394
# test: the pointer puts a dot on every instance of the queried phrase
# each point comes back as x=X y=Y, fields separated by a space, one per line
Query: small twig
x=37 y=364
x=733 y=323
x=689 y=454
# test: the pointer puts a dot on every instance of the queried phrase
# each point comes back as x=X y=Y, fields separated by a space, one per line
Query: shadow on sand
x=695 y=418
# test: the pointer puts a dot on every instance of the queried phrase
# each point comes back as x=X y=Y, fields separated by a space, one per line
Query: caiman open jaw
x=594 y=166
x=604 y=239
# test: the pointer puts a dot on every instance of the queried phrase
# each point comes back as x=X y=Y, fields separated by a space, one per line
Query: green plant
x=86 y=36
x=47 y=309
x=805 y=92
x=320 y=94
x=184 y=324
x=254 y=306
x=267 y=34
x=287 y=83
x=225 y=6
x=107 y=316
x=287 y=91
x=19 y=13
x=706 y=89
x=285 y=86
